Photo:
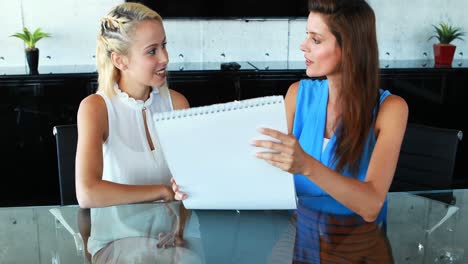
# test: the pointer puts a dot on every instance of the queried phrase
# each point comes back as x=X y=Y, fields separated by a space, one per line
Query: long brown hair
x=352 y=22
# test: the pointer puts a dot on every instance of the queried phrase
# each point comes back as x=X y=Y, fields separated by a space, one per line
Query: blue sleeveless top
x=309 y=127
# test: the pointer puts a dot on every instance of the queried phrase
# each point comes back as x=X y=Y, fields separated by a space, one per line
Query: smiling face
x=147 y=58
x=321 y=49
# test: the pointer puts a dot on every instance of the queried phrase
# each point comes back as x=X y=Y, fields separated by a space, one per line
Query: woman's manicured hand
x=178 y=194
x=287 y=154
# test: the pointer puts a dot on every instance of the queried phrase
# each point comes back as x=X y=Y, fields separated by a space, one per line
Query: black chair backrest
x=66 y=137
x=427 y=158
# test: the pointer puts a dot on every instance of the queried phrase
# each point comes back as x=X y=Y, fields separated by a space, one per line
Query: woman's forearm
x=360 y=197
x=104 y=193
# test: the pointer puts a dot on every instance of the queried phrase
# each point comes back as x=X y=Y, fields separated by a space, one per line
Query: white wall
x=403 y=26
x=403 y=29
x=72 y=23
x=10 y=22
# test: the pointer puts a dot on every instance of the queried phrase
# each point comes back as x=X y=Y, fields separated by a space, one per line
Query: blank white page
x=209 y=154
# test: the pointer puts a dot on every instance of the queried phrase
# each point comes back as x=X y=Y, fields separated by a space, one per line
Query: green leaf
x=20 y=36
x=30 y=39
x=38 y=34
x=446 y=33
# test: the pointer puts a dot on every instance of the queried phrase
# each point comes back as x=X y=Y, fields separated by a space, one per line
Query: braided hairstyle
x=116 y=33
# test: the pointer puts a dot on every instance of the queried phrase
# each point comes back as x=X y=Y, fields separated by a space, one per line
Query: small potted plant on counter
x=32 y=53
x=444 y=51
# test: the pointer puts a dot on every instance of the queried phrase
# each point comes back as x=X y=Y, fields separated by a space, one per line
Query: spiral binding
x=218 y=108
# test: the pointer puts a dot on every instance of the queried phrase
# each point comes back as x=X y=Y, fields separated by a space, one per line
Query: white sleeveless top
x=128 y=158
x=325 y=143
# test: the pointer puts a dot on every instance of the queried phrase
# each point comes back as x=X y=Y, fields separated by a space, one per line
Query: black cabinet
x=436 y=97
x=31 y=105
x=29 y=108
x=205 y=87
x=264 y=83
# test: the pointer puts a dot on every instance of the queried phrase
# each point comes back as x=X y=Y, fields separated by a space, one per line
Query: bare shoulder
x=394 y=104
x=292 y=90
x=393 y=113
x=92 y=105
x=290 y=104
x=292 y=94
x=178 y=100
x=92 y=116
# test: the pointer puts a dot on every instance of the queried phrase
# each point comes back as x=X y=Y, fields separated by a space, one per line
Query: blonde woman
x=119 y=159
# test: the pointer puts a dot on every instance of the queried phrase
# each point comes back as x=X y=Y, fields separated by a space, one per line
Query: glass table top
x=422 y=227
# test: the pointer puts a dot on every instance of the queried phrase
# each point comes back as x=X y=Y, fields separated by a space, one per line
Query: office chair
x=66 y=137
x=427 y=159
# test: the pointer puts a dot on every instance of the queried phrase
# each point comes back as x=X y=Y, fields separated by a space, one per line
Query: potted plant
x=443 y=51
x=32 y=53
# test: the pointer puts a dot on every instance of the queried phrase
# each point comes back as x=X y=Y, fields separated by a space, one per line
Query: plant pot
x=32 y=56
x=443 y=53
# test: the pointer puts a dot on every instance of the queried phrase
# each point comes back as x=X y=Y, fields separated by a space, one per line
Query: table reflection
x=320 y=231
x=328 y=233
x=415 y=228
x=141 y=233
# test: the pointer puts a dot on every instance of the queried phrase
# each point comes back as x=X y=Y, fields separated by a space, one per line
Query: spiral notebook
x=209 y=154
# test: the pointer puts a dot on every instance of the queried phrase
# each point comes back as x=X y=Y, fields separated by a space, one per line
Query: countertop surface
x=244 y=66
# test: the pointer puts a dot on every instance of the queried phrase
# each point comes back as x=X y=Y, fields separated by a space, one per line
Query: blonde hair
x=117 y=29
